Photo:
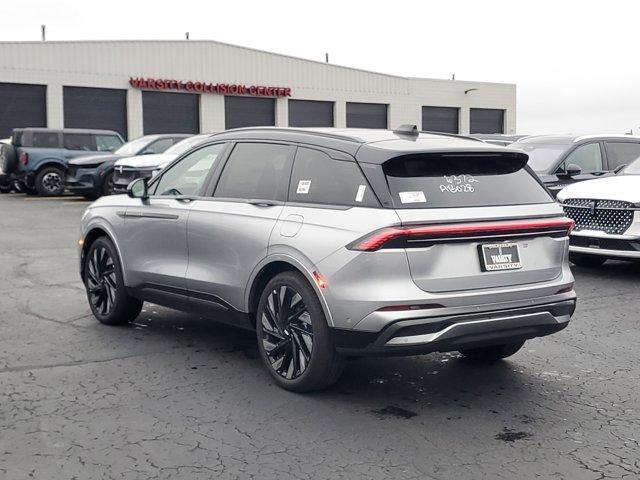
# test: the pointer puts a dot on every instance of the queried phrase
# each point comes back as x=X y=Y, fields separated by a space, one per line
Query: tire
x=107 y=295
x=493 y=353
x=6 y=188
x=308 y=359
x=107 y=186
x=8 y=158
x=24 y=188
x=587 y=261
x=50 y=182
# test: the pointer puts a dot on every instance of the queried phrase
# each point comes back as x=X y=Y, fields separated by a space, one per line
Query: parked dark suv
x=560 y=160
x=92 y=176
x=37 y=157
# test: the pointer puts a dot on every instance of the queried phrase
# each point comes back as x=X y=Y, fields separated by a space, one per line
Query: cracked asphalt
x=175 y=396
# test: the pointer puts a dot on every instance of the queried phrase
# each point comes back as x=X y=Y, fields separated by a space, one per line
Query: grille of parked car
x=608 y=216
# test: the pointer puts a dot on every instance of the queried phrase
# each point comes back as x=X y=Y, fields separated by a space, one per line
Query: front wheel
x=293 y=336
x=107 y=294
x=588 y=261
x=493 y=353
x=50 y=182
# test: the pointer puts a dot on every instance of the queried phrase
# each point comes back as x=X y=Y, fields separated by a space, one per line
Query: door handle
x=262 y=203
x=185 y=198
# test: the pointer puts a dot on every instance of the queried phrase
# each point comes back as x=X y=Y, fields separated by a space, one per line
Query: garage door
x=310 y=113
x=366 y=115
x=22 y=105
x=104 y=108
x=164 y=112
x=487 y=120
x=440 y=119
x=249 y=112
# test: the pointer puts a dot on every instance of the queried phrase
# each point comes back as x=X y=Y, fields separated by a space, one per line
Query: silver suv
x=337 y=242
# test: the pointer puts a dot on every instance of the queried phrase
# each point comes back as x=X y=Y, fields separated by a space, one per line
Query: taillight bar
x=380 y=238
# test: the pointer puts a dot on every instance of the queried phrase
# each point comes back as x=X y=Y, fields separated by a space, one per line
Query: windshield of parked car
x=542 y=156
x=632 y=169
x=181 y=147
x=134 y=146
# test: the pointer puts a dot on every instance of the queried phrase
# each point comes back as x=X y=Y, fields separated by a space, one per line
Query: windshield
x=181 y=147
x=541 y=156
x=134 y=146
x=633 y=168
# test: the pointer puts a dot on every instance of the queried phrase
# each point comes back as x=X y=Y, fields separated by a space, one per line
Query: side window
x=621 y=153
x=588 y=157
x=79 y=141
x=159 y=146
x=188 y=175
x=45 y=140
x=256 y=170
x=317 y=178
x=107 y=143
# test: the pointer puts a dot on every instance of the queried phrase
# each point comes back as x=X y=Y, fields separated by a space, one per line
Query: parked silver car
x=339 y=242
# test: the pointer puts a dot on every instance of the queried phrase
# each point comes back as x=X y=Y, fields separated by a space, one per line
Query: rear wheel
x=293 y=336
x=588 y=261
x=6 y=188
x=50 y=182
x=493 y=353
x=104 y=283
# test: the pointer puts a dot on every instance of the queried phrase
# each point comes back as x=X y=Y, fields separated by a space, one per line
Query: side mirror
x=138 y=189
x=573 y=170
x=619 y=168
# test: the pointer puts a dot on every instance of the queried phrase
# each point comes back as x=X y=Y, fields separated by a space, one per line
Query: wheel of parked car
x=108 y=297
x=588 y=261
x=8 y=158
x=50 y=182
x=6 y=188
x=293 y=335
x=493 y=353
x=24 y=188
x=107 y=186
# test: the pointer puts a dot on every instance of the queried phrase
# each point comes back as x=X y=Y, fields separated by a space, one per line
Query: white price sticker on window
x=360 y=194
x=412 y=197
x=303 y=187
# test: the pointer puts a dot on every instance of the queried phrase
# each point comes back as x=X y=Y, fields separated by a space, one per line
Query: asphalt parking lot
x=177 y=396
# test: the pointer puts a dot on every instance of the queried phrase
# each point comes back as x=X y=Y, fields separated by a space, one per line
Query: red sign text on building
x=204 y=87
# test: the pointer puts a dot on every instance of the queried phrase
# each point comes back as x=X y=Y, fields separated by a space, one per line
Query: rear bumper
x=455 y=332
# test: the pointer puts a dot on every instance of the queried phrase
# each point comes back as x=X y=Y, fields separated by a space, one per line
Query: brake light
x=460 y=230
x=24 y=158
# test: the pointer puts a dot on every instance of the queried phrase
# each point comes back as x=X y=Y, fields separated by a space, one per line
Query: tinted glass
x=107 y=143
x=79 y=141
x=188 y=175
x=45 y=139
x=256 y=170
x=588 y=157
x=621 y=153
x=159 y=146
x=366 y=115
x=317 y=178
x=440 y=119
x=432 y=181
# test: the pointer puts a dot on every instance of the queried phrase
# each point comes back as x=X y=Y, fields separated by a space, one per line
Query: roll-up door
x=310 y=113
x=104 y=108
x=440 y=119
x=366 y=115
x=487 y=120
x=249 y=112
x=22 y=105
x=165 y=112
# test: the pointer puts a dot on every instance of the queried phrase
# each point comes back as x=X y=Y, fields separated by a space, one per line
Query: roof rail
x=455 y=135
x=310 y=131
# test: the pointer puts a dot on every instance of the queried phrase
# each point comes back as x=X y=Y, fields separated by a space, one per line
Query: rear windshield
x=444 y=180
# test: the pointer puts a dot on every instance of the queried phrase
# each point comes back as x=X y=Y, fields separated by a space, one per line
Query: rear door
x=450 y=190
x=228 y=233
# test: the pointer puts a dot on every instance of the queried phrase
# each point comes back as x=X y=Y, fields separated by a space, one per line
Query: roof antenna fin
x=407 y=129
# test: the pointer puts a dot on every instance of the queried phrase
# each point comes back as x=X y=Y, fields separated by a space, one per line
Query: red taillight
x=461 y=230
x=24 y=158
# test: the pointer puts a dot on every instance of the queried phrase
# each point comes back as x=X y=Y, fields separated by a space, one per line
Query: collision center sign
x=205 y=87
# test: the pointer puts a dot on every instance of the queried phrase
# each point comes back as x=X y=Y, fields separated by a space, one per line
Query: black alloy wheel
x=287 y=332
x=101 y=281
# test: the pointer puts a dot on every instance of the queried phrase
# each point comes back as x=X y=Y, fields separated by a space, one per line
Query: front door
x=588 y=157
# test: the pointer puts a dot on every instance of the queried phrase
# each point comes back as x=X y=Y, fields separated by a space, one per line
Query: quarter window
x=187 y=177
x=256 y=170
x=621 y=153
x=79 y=141
x=588 y=157
x=317 y=178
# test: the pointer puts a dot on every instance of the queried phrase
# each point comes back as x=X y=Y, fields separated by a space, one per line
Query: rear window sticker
x=303 y=187
x=360 y=194
x=412 y=197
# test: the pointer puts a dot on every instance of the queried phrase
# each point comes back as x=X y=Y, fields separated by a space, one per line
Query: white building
x=142 y=87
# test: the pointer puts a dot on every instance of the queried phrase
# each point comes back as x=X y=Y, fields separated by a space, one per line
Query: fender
x=99 y=222
x=301 y=263
x=36 y=164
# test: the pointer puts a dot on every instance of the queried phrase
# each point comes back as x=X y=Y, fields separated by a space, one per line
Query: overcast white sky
x=576 y=63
